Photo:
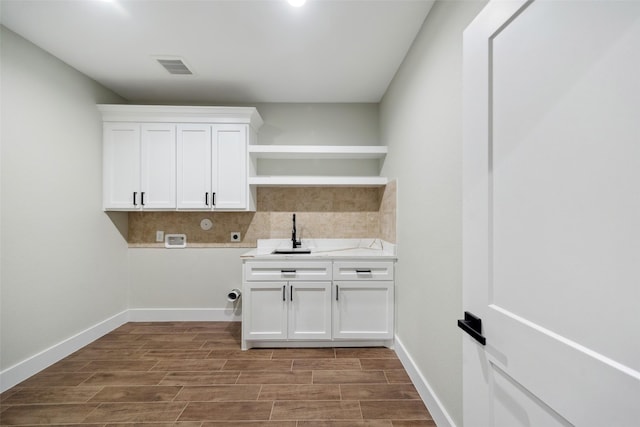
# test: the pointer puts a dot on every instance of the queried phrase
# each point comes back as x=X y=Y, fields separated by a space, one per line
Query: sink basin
x=291 y=251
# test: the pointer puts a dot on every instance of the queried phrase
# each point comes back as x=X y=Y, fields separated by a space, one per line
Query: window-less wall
x=421 y=122
x=64 y=266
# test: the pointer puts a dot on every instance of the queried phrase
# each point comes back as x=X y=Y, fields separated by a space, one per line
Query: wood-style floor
x=194 y=374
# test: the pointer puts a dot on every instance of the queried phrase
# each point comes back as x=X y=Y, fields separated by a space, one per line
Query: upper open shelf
x=317 y=151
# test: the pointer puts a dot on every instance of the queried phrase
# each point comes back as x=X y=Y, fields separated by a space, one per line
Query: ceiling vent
x=175 y=66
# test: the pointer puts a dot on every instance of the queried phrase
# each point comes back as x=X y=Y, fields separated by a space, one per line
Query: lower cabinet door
x=265 y=310
x=363 y=310
x=309 y=311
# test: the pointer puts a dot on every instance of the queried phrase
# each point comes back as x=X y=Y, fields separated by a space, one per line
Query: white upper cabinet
x=158 y=166
x=139 y=166
x=212 y=167
x=121 y=166
x=185 y=158
x=229 y=166
x=194 y=166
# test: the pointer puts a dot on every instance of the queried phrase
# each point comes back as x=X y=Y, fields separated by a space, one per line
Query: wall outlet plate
x=235 y=236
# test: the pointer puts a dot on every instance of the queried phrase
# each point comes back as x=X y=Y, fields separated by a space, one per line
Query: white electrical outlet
x=235 y=236
x=159 y=236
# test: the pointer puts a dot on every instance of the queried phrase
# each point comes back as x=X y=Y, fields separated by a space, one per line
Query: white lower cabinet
x=287 y=311
x=363 y=310
x=298 y=302
x=363 y=307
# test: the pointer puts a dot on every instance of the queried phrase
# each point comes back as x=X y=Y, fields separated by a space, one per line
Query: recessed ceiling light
x=297 y=3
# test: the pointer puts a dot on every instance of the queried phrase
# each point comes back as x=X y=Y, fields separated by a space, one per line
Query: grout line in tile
x=259 y=391
x=181 y=412
x=273 y=404
x=94 y=410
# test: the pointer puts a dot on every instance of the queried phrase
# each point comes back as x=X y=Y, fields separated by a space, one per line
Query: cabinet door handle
x=142 y=198
x=291 y=293
x=337 y=290
x=206 y=199
x=213 y=199
x=284 y=294
x=135 y=193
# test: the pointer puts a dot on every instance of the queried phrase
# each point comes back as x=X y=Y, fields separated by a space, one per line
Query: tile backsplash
x=321 y=212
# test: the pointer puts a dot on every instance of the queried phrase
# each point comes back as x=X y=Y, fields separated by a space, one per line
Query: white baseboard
x=184 y=315
x=434 y=405
x=36 y=363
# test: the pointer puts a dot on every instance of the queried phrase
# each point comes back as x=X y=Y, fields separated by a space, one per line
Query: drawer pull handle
x=363 y=271
x=288 y=271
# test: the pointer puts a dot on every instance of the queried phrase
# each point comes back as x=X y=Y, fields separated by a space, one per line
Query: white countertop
x=325 y=248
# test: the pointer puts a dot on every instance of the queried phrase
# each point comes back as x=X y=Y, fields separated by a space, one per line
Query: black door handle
x=473 y=326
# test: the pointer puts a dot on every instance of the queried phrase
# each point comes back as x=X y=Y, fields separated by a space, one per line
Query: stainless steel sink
x=296 y=251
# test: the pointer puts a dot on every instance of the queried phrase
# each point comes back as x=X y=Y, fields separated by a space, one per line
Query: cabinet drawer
x=363 y=270
x=290 y=271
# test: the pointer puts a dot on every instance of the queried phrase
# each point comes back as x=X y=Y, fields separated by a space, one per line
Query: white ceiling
x=239 y=50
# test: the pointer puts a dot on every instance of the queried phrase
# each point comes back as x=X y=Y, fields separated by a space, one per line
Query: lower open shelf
x=284 y=181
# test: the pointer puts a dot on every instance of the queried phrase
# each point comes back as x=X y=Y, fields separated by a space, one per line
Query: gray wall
x=63 y=262
x=319 y=124
x=421 y=122
x=184 y=278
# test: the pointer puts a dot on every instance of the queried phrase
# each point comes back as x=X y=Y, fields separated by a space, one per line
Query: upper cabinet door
x=194 y=167
x=158 y=168
x=229 y=171
x=121 y=168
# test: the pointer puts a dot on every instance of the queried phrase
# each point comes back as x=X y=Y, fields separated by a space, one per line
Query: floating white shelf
x=314 y=152
x=336 y=181
x=317 y=151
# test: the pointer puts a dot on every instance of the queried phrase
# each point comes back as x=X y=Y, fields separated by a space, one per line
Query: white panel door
x=229 y=171
x=265 y=307
x=309 y=310
x=121 y=166
x=552 y=214
x=194 y=167
x=363 y=310
x=158 y=168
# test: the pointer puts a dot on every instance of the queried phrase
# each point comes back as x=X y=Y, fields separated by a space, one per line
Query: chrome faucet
x=296 y=243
